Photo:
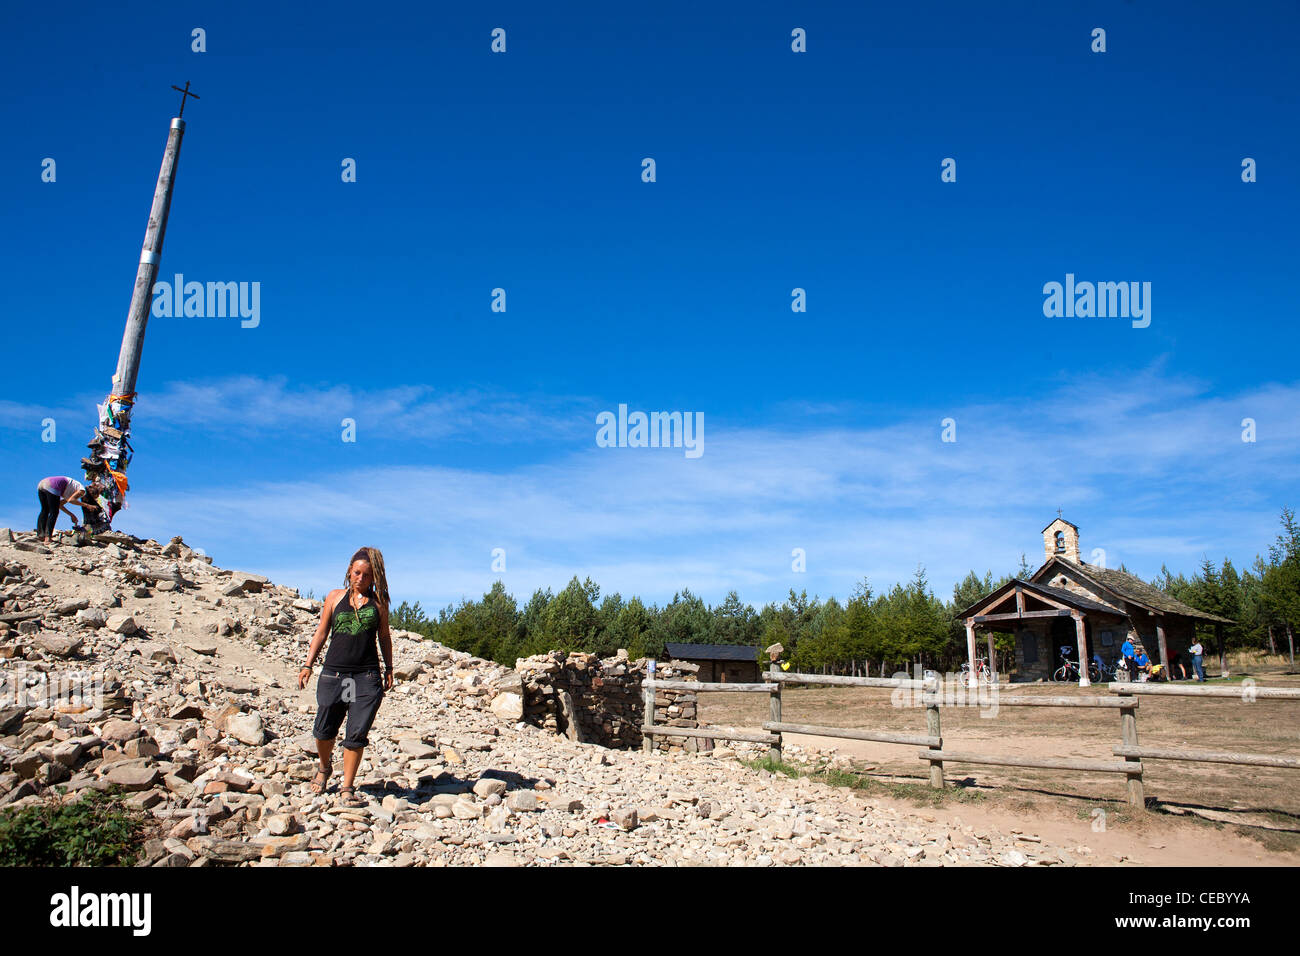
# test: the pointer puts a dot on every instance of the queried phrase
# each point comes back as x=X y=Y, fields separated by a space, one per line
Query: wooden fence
x=1125 y=702
x=1131 y=750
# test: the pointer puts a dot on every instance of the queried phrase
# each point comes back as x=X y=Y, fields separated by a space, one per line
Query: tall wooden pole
x=110 y=449
x=137 y=317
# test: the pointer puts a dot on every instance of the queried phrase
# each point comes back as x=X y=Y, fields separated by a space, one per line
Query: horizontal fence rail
x=994 y=700
x=848 y=733
x=1244 y=693
x=710 y=733
x=1210 y=756
x=1039 y=763
x=763 y=688
x=784 y=677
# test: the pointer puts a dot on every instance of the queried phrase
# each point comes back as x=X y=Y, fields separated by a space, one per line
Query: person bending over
x=58 y=493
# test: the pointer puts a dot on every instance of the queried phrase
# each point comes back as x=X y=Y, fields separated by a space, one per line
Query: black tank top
x=353 y=635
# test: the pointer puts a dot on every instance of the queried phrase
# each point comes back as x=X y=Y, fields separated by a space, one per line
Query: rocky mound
x=126 y=662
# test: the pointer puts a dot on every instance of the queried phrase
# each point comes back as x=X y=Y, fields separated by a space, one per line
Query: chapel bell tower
x=1061 y=540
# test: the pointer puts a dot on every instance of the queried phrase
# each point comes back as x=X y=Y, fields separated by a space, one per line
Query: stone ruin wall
x=599 y=701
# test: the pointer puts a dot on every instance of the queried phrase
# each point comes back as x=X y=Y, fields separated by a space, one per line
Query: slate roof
x=712 y=652
x=1066 y=597
x=1072 y=598
x=1131 y=589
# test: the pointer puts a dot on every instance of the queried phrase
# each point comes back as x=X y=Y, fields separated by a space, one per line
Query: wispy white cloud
x=252 y=405
x=1154 y=471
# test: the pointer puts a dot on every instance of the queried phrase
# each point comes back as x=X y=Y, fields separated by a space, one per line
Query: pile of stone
x=138 y=665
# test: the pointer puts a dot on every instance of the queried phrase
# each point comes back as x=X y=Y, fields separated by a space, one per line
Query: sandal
x=321 y=779
x=348 y=797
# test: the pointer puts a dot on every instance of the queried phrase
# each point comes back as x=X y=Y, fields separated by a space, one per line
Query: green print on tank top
x=354 y=622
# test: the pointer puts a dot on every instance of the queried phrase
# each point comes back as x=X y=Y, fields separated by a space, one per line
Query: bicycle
x=1069 y=672
x=1105 y=672
x=982 y=671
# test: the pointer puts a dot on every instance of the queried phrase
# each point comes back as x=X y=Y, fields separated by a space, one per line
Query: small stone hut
x=719 y=663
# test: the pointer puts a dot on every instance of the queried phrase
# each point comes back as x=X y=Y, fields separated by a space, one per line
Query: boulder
x=133 y=778
x=144 y=746
x=465 y=810
x=11 y=718
x=408 y=671
x=487 y=786
x=522 y=801
x=92 y=617
x=247 y=728
x=26 y=764
x=57 y=644
x=121 y=624
x=508 y=706
x=282 y=824
x=224 y=851
x=120 y=731
x=624 y=818
x=252 y=583
x=416 y=748
x=68 y=752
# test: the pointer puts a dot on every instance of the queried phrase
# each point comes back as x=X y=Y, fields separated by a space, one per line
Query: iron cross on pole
x=184 y=93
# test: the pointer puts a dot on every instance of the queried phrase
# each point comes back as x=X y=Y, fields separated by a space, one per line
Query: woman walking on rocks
x=350 y=684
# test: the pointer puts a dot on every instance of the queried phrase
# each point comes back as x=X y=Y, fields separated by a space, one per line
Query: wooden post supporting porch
x=1163 y=649
x=1223 y=651
x=972 y=679
x=1083 y=649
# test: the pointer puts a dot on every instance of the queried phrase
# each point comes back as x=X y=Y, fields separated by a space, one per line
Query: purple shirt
x=61 y=485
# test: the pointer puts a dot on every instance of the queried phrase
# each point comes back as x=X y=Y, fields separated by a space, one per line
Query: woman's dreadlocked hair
x=378 y=580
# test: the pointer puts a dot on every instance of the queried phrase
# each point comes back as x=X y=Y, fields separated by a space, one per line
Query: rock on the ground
x=246 y=728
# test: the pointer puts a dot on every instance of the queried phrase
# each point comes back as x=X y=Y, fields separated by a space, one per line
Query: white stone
x=246 y=728
x=508 y=706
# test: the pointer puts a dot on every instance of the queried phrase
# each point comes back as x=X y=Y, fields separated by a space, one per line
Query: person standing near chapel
x=1128 y=653
x=1196 y=650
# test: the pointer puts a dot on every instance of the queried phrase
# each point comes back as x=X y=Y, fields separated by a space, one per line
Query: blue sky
x=775 y=170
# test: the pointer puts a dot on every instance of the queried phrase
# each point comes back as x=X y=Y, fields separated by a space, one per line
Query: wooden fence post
x=932 y=728
x=648 y=698
x=1129 y=726
x=774 y=714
